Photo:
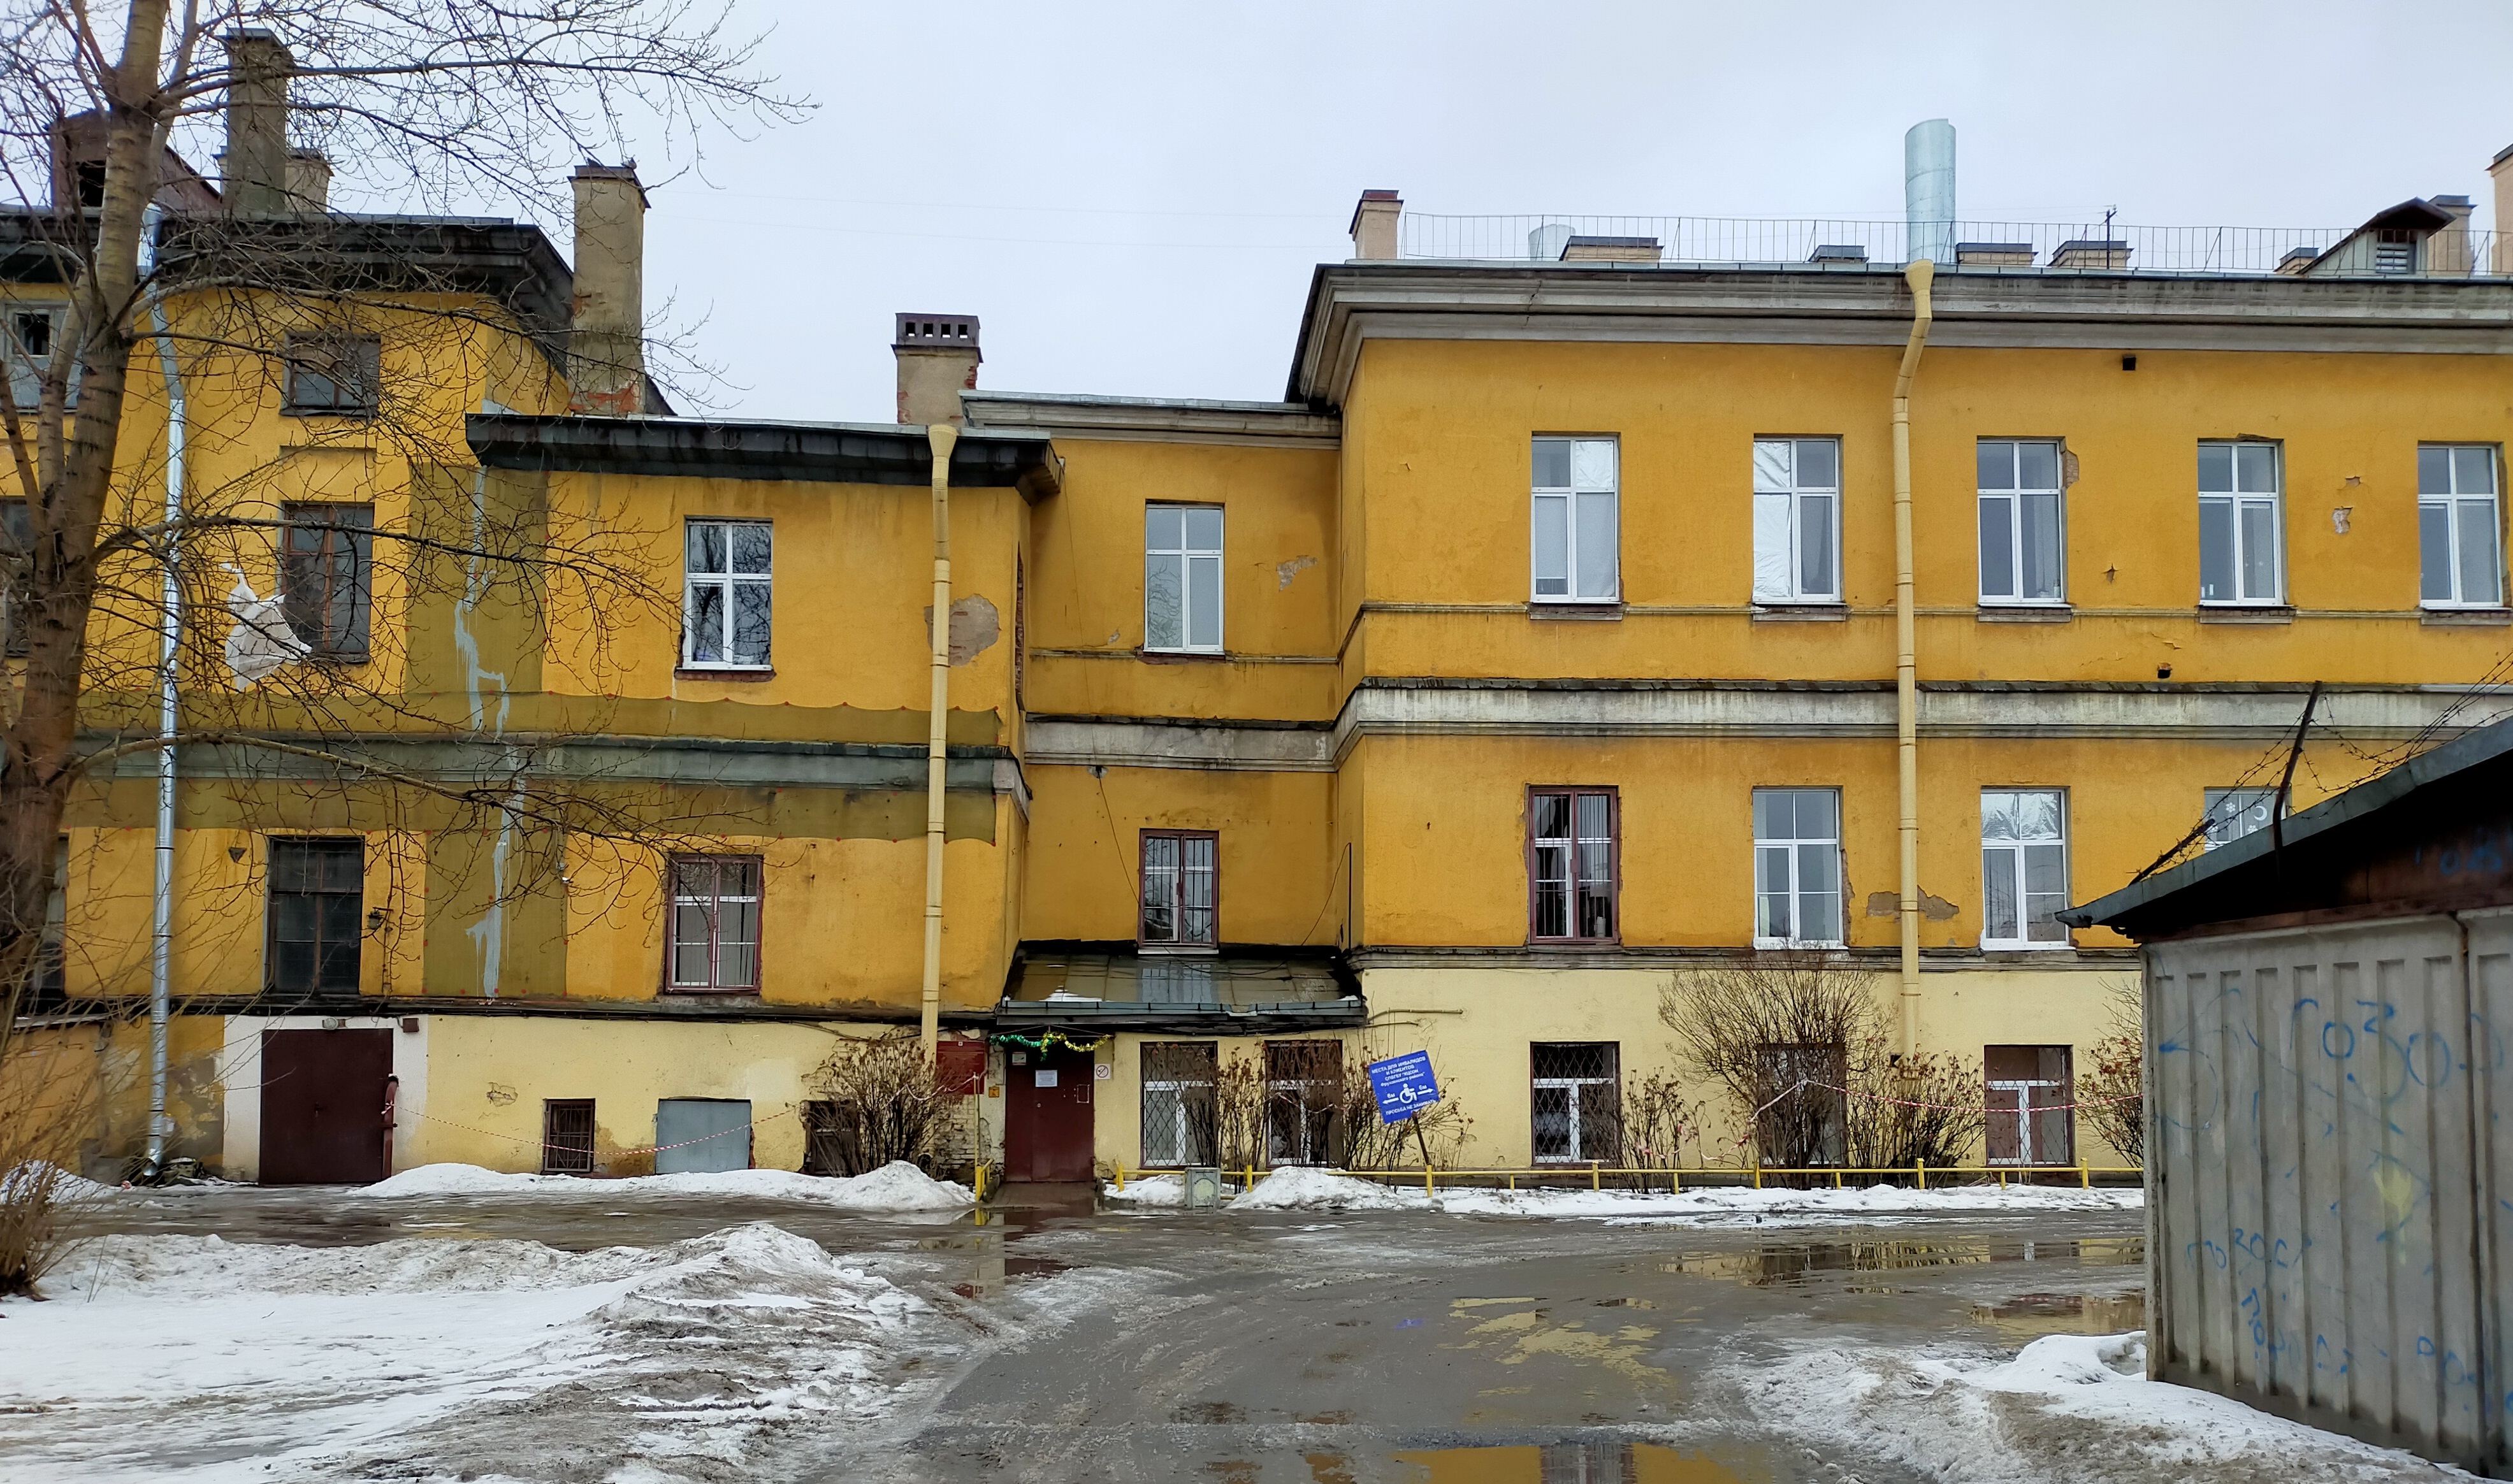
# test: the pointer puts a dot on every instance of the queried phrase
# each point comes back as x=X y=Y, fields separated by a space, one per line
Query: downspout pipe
x=1906 y=659
x=170 y=636
x=944 y=437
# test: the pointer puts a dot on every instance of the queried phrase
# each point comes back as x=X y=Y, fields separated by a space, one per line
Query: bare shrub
x=1239 y=1114
x=44 y=1101
x=1660 y=1122
x=881 y=1102
x=2114 y=1092
x=1923 y=1109
x=1364 y=1142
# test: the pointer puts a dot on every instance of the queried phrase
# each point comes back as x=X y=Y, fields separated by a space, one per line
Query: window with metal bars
x=1178 y=1080
x=823 y=1149
x=317 y=896
x=1575 y=1095
x=2028 y=1121
x=1304 y=1089
x=714 y=923
x=1572 y=865
x=567 y=1136
x=327 y=575
x=1182 y=888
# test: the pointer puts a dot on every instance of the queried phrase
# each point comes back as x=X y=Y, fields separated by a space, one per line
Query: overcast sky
x=1131 y=198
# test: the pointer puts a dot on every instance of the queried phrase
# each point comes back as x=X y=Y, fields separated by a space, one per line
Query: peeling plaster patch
x=2068 y=468
x=2338 y=518
x=1886 y=904
x=975 y=628
x=1285 y=571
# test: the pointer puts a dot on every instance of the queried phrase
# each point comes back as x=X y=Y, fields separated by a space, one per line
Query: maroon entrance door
x=323 y=1105
x=1047 y=1129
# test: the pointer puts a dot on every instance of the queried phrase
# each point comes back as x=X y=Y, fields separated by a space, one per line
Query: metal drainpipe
x=1906 y=657
x=161 y=949
x=942 y=436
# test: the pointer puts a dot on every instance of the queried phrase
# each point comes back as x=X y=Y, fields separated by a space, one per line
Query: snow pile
x=1303 y=1187
x=894 y=1186
x=1720 y=1205
x=2073 y=1408
x=445 y=1356
x=1152 y=1190
x=67 y=1187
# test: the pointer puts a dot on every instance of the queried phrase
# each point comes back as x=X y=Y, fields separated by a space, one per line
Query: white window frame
x=2013 y=496
x=2450 y=501
x=2239 y=502
x=1187 y=554
x=2011 y=853
x=1789 y=845
x=1542 y=499
x=728 y=579
x=2225 y=806
x=1780 y=499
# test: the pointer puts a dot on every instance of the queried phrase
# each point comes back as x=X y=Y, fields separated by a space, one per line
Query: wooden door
x=323 y=1105
x=1048 y=1129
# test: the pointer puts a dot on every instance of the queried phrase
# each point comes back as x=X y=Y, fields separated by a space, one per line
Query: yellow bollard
x=1596 y=1179
x=1758 y=1177
x=1121 y=1176
x=1920 y=1167
x=1675 y=1181
x=2002 y=1180
x=1426 y=1181
x=2085 y=1178
x=1513 y=1182
x=1836 y=1179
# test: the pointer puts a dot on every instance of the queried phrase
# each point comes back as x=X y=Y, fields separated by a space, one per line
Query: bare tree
x=169 y=290
x=2114 y=1092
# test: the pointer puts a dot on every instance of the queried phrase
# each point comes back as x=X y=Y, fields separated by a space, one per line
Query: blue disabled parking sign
x=1404 y=1084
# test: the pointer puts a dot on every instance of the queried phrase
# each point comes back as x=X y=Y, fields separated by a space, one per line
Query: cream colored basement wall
x=488 y=1075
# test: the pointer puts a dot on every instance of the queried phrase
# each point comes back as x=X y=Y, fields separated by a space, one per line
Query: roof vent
x=1849 y=253
x=2082 y=252
x=1612 y=250
x=2296 y=259
x=1994 y=255
x=936 y=331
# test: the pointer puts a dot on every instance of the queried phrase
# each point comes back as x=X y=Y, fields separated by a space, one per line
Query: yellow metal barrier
x=1923 y=1176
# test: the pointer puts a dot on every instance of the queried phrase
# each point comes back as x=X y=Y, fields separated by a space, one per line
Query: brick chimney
x=938 y=360
x=1374 y=224
x=2502 y=172
x=309 y=182
x=605 y=359
x=256 y=160
x=2448 y=250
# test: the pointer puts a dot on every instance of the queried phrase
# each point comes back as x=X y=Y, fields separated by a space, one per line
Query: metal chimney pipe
x=1928 y=191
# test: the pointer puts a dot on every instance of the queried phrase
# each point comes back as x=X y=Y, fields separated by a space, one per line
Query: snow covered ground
x=894 y=1186
x=1300 y=1189
x=164 y=1355
x=2068 y=1407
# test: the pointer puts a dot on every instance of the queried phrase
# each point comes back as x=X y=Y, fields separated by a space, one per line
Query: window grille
x=1572 y=865
x=1178 y=1080
x=2028 y=1121
x=567 y=1136
x=824 y=1148
x=1303 y=1089
x=1181 y=888
x=1577 y=1103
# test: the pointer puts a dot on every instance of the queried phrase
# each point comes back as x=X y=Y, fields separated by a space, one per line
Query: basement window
x=725 y=604
x=1576 y=1109
x=567 y=1136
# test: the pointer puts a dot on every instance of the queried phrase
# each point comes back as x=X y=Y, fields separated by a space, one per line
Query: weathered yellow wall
x=1274 y=854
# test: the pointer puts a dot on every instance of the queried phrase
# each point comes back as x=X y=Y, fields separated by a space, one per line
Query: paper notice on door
x=1043 y=1078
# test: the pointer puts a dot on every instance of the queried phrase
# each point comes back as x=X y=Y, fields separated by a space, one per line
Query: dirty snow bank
x=2072 y=1408
x=894 y=1186
x=444 y=1357
x=65 y=1186
x=1305 y=1189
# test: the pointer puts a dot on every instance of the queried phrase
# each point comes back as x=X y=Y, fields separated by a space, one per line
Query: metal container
x=2329 y=1229
x=1203 y=1187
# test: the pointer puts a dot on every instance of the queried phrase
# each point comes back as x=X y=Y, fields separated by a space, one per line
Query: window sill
x=2465 y=618
x=1989 y=947
x=1801 y=612
x=1590 y=612
x=319 y=658
x=724 y=672
x=684 y=991
x=1178 y=949
x=344 y=414
x=2232 y=612
x=1575 y=943
x=2027 y=613
x=1794 y=946
x=1172 y=657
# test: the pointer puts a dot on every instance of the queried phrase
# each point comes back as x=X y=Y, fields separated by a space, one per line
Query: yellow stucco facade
x=1358 y=740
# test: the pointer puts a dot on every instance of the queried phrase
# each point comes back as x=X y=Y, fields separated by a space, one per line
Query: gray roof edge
x=2481 y=745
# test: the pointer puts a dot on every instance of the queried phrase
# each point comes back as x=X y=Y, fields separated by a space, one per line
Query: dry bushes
x=2114 y=1092
x=45 y=1098
x=879 y=1101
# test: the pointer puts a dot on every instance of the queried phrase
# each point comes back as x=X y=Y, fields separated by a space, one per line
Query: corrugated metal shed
x=2330 y=1188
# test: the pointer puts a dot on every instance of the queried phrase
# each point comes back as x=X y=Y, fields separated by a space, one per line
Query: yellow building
x=1535 y=657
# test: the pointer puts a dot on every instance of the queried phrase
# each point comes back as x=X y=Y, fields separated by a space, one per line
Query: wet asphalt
x=1335 y=1348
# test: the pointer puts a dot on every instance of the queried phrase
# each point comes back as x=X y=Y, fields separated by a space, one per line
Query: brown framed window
x=1304 y=1093
x=335 y=375
x=1573 y=865
x=567 y=1136
x=327 y=575
x=317 y=895
x=2029 y=1119
x=1181 y=889
x=714 y=923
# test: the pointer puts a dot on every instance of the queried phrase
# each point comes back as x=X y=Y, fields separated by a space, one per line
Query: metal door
x=323 y=1103
x=1047 y=1135
x=699 y=1136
